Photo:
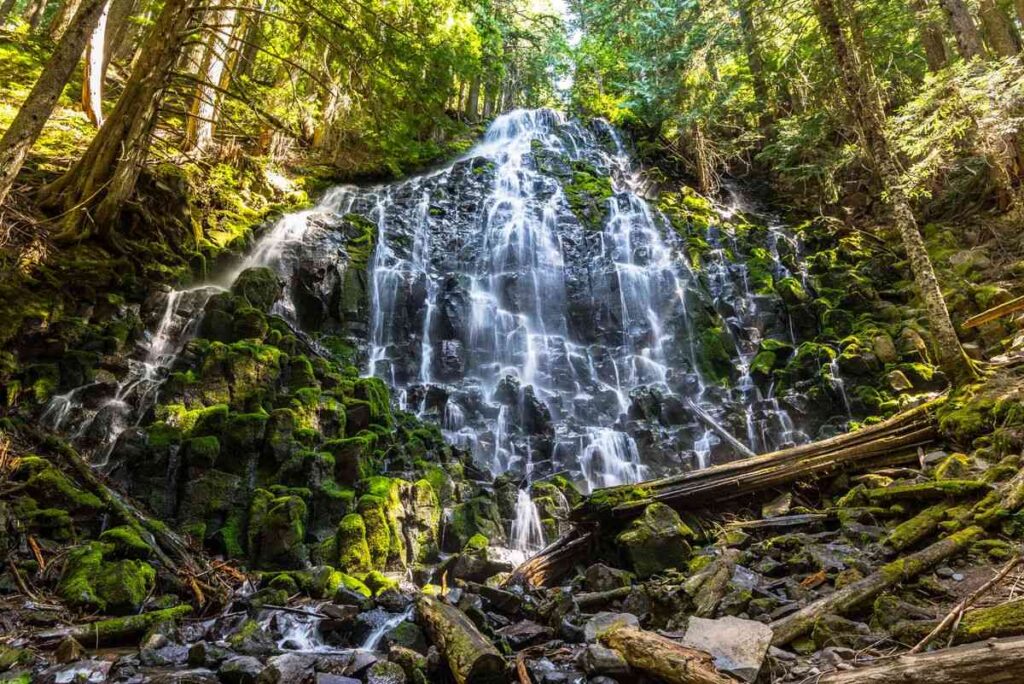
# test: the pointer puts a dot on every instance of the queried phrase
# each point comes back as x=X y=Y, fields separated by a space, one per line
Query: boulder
x=657 y=541
x=738 y=646
x=598 y=660
x=258 y=286
x=240 y=670
x=602 y=622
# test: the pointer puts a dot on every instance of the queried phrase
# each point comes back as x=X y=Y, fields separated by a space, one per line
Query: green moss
x=604 y=500
x=588 y=194
x=478 y=543
x=656 y=542
x=90 y=581
x=126 y=542
x=352 y=548
x=917 y=528
x=49 y=484
x=362 y=238
x=258 y=286
x=926 y=490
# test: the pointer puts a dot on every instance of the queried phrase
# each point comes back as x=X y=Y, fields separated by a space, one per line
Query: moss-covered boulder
x=588 y=193
x=479 y=515
x=277 y=531
x=91 y=581
x=353 y=551
x=259 y=287
x=656 y=541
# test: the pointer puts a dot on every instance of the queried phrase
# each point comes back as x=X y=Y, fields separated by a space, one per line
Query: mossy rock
x=258 y=286
x=277 y=531
x=657 y=541
x=351 y=546
x=588 y=194
x=480 y=516
x=126 y=543
x=354 y=457
x=91 y=581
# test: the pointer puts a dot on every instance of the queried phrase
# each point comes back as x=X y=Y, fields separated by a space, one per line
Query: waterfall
x=527 y=534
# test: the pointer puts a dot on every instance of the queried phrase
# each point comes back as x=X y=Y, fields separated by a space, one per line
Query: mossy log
x=918 y=528
x=115 y=630
x=594 y=599
x=470 y=656
x=1006 y=619
x=661 y=658
x=557 y=559
x=792 y=626
x=709 y=586
x=888 y=443
x=999 y=661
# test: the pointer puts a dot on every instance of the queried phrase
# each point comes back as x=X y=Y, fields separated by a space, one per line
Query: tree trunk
x=861 y=97
x=33 y=14
x=1017 y=4
x=932 y=39
x=661 y=658
x=865 y=590
x=6 y=7
x=995 y=662
x=999 y=33
x=214 y=73
x=62 y=19
x=38 y=106
x=470 y=656
x=92 y=72
x=473 y=101
x=96 y=187
x=252 y=41
x=961 y=23
x=118 y=23
x=752 y=46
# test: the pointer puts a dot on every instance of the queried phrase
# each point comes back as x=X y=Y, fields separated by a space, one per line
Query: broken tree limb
x=115 y=630
x=792 y=626
x=1000 y=661
x=709 y=586
x=470 y=656
x=1004 y=309
x=737 y=446
x=661 y=658
x=594 y=599
x=958 y=610
x=557 y=558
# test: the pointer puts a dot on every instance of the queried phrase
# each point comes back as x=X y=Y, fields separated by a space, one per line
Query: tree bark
x=866 y=108
x=92 y=72
x=961 y=23
x=6 y=7
x=62 y=19
x=96 y=187
x=1000 y=36
x=38 y=106
x=470 y=656
x=1017 y=5
x=755 y=62
x=932 y=39
x=995 y=662
x=860 y=592
x=214 y=73
x=33 y=14
x=661 y=658
x=473 y=100
x=119 y=13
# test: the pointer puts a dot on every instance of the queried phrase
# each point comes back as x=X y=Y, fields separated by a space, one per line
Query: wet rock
x=525 y=633
x=184 y=677
x=383 y=672
x=205 y=654
x=407 y=635
x=738 y=646
x=602 y=622
x=240 y=670
x=259 y=286
x=599 y=660
x=80 y=672
x=171 y=655
x=600 y=577
x=288 y=668
x=326 y=678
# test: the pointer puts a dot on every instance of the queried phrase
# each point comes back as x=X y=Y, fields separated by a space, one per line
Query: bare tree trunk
x=6 y=7
x=33 y=15
x=968 y=38
x=867 y=112
x=932 y=39
x=473 y=101
x=62 y=18
x=999 y=33
x=755 y=63
x=214 y=73
x=93 y=191
x=38 y=106
x=251 y=42
x=118 y=16
x=92 y=72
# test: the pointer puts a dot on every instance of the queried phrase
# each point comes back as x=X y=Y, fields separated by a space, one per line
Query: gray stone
x=288 y=668
x=598 y=660
x=324 y=678
x=738 y=646
x=934 y=457
x=600 y=577
x=240 y=670
x=602 y=622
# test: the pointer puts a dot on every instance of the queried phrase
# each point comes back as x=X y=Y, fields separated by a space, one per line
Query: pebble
x=945 y=572
x=958 y=577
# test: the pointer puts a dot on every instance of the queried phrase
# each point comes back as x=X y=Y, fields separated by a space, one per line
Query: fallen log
x=737 y=446
x=996 y=312
x=890 y=442
x=661 y=658
x=1000 y=661
x=594 y=599
x=470 y=656
x=557 y=559
x=114 y=630
x=709 y=586
x=802 y=621
x=1004 y=620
